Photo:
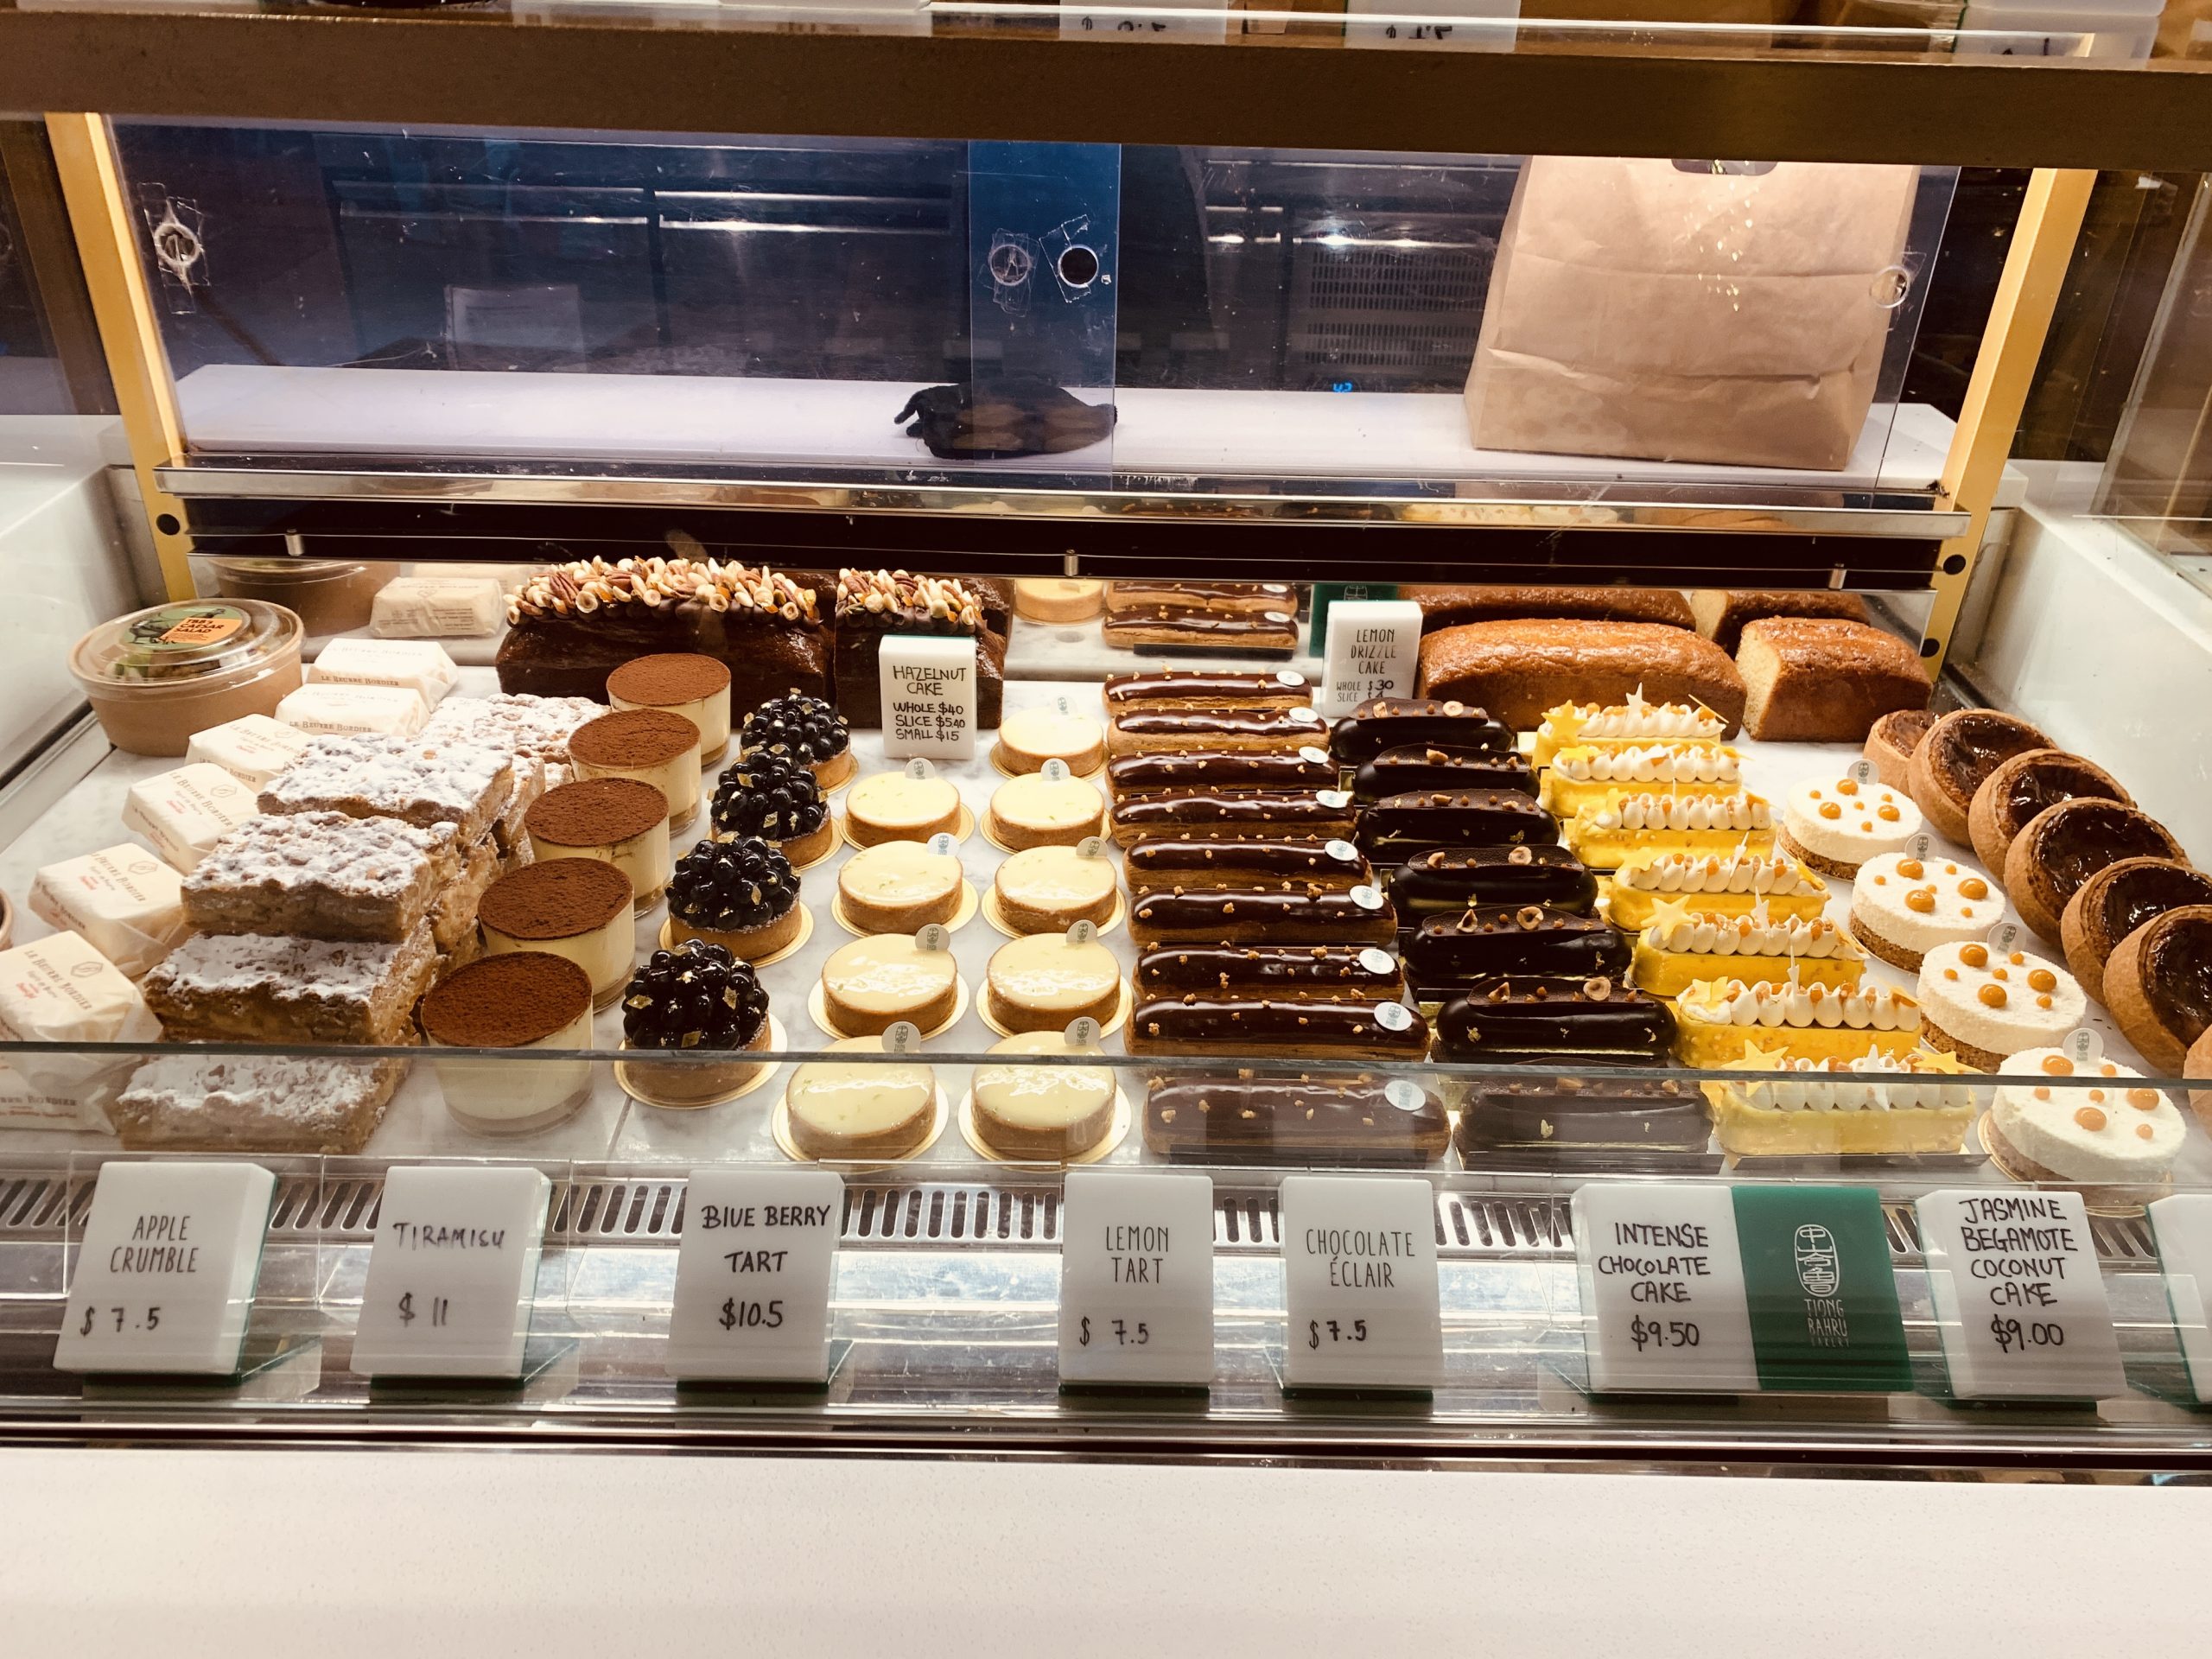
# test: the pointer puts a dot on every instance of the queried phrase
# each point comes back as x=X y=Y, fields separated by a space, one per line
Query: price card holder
x=928 y=684
x=1150 y=23
x=1664 y=1307
x=2182 y=1226
x=1359 y=1261
x=167 y=1269
x=1372 y=649
x=1136 y=1280
x=753 y=1275
x=2020 y=1299
x=452 y=1273
x=1433 y=25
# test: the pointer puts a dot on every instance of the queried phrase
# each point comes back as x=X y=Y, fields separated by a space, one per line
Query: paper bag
x=1671 y=312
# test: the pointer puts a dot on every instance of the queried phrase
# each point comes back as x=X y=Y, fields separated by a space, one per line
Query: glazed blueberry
x=699 y=996
x=771 y=795
x=725 y=887
x=800 y=725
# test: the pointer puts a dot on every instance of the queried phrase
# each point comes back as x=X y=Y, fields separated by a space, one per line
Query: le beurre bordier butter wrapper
x=126 y=902
x=60 y=990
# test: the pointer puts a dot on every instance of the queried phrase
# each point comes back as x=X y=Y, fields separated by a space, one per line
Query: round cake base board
x=779 y=1125
x=627 y=1074
x=1115 y=916
x=668 y=942
x=970 y=903
x=961 y=831
x=999 y=765
x=1107 y=1029
x=1116 y=1132
x=2097 y=1200
x=817 y=1008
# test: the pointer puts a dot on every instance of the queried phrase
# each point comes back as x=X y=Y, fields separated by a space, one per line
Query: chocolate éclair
x=1177 y=774
x=1300 y=972
x=1332 y=1117
x=1441 y=818
x=1383 y=723
x=1294 y=1029
x=1487 y=943
x=1200 y=689
x=1449 y=879
x=1301 y=916
x=1152 y=730
x=1234 y=815
x=1536 y=1019
x=1409 y=767
x=1196 y=863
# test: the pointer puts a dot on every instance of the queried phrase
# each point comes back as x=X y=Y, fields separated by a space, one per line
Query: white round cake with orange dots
x=1836 y=824
x=2123 y=1136
x=1903 y=907
x=1983 y=1004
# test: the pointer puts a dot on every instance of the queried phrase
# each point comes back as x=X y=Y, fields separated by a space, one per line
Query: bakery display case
x=851 y=788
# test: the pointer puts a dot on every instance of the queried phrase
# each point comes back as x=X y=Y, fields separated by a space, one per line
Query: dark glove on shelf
x=1004 y=419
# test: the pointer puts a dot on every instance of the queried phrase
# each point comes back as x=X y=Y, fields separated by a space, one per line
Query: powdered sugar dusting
x=193 y=1099
x=368 y=858
x=234 y=964
x=421 y=780
x=524 y=724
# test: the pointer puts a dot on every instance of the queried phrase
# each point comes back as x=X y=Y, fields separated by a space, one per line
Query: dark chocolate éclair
x=2114 y=902
x=2063 y=846
x=1438 y=817
x=2023 y=786
x=1198 y=689
x=1234 y=815
x=1335 y=1119
x=1383 y=723
x=1585 y=1114
x=1290 y=1028
x=1418 y=765
x=1152 y=865
x=1568 y=1022
x=1453 y=951
x=2158 y=986
x=1960 y=749
x=1143 y=731
x=1188 y=769
x=1195 y=623
x=1299 y=971
x=1452 y=878
x=1305 y=915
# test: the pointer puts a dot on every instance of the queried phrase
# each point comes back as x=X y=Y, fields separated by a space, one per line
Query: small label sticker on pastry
x=1920 y=846
x=1082 y=932
x=902 y=1037
x=1335 y=799
x=1367 y=897
x=1404 y=1095
x=1377 y=961
x=1082 y=1032
x=2083 y=1046
x=1091 y=847
x=2004 y=937
x=1313 y=757
x=1056 y=771
x=934 y=937
x=1394 y=1016
x=942 y=843
x=1288 y=676
x=920 y=766
x=1862 y=773
x=1304 y=715
x=1342 y=851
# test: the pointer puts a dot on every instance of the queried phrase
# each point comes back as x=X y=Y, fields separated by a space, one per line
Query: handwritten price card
x=2018 y=1296
x=166 y=1273
x=1136 y=1279
x=753 y=1275
x=453 y=1274
x=1359 y=1266
x=1663 y=1300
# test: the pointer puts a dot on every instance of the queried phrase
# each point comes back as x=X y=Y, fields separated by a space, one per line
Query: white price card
x=166 y=1268
x=1433 y=25
x=1373 y=650
x=1193 y=22
x=2020 y=1299
x=452 y=1273
x=928 y=684
x=1136 y=1278
x=753 y=1275
x=2182 y=1226
x=1663 y=1303
x=1359 y=1268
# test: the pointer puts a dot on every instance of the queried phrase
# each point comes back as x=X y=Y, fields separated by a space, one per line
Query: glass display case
x=838 y=786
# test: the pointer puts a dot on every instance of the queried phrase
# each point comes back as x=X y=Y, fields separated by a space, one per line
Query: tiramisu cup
x=618 y=821
x=650 y=745
x=574 y=907
x=679 y=682
x=530 y=1000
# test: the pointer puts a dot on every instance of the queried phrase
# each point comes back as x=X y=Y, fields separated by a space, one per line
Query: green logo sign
x=1823 y=1298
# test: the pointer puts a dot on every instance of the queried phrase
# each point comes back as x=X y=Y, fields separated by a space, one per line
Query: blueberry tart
x=776 y=799
x=743 y=896
x=699 y=1001
x=806 y=729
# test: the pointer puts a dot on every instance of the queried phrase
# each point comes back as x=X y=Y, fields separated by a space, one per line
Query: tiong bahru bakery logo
x=1820 y=1275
